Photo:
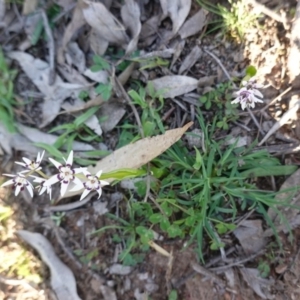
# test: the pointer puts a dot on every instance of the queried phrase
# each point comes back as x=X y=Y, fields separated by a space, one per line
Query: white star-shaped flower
x=247 y=97
x=19 y=183
x=92 y=183
x=66 y=174
x=42 y=188
x=30 y=164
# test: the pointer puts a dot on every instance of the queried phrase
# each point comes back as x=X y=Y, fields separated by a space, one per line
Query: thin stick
x=51 y=47
x=270 y=13
x=275 y=99
x=221 y=65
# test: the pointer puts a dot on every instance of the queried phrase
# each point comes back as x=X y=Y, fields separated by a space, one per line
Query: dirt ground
x=93 y=259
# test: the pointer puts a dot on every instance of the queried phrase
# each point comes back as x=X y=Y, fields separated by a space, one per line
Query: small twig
x=51 y=47
x=203 y=271
x=270 y=13
x=16 y=282
x=221 y=65
x=275 y=99
x=237 y=263
x=255 y=120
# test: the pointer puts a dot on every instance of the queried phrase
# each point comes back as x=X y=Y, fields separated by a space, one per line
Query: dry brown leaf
x=114 y=112
x=292 y=183
x=37 y=136
x=190 y=59
x=135 y=155
x=2 y=10
x=100 y=76
x=39 y=71
x=141 y=152
x=130 y=13
x=177 y=10
x=106 y=25
x=63 y=280
x=260 y=286
x=77 y=22
x=29 y=6
x=174 y=85
x=97 y=43
x=250 y=235
x=194 y=24
x=76 y=57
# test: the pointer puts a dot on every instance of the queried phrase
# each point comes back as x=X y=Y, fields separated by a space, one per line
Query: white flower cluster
x=248 y=95
x=66 y=174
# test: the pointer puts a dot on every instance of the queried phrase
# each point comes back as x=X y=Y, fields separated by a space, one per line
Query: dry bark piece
x=194 y=24
x=190 y=59
x=131 y=14
x=174 y=85
x=177 y=10
x=106 y=25
x=62 y=278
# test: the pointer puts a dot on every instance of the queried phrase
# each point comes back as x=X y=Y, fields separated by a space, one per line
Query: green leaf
x=68 y=126
x=96 y=68
x=156 y=218
x=251 y=71
x=223 y=227
x=51 y=149
x=164 y=224
x=98 y=60
x=269 y=171
x=198 y=160
x=104 y=90
x=174 y=230
x=173 y=295
x=85 y=116
x=124 y=173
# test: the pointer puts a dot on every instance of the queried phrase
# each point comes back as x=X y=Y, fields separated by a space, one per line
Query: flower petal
x=103 y=183
x=52 y=180
x=29 y=189
x=27 y=161
x=84 y=194
x=99 y=193
x=40 y=158
x=78 y=182
x=18 y=189
x=98 y=174
x=69 y=161
x=258 y=93
x=55 y=163
x=9 y=182
x=63 y=188
x=20 y=163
